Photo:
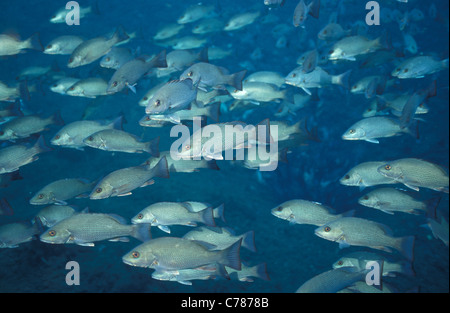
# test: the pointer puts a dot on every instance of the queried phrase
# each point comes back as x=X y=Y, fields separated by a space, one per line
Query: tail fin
x=161 y=169
x=203 y=55
x=314 y=8
x=212 y=165
x=40 y=145
x=118 y=123
x=236 y=79
x=208 y=217
x=342 y=79
x=260 y=271
x=444 y=64
x=219 y=211
x=214 y=111
x=248 y=241
x=230 y=256
x=152 y=147
x=5 y=208
x=406 y=247
x=34 y=43
x=120 y=35
x=57 y=119
x=142 y=232
x=159 y=60
x=384 y=41
x=407 y=268
x=431 y=206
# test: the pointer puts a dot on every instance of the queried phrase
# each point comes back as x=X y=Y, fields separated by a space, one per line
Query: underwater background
x=292 y=253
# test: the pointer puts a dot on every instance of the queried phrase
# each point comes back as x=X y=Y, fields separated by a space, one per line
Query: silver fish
x=10 y=45
x=63 y=84
x=183 y=166
x=302 y=10
x=25 y=126
x=117 y=57
x=63 y=45
x=64 y=189
x=123 y=181
x=348 y=48
x=195 y=13
x=365 y=175
x=86 y=228
x=91 y=87
x=53 y=214
x=355 y=231
x=12 y=235
x=241 y=20
x=419 y=67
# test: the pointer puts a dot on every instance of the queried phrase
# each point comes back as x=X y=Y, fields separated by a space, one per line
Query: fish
x=318 y=78
x=391 y=200
x=247 y=272
x=410 y=44
x=185 y=276
x=413 y=104
x=183 y=166
x=208 y=26
x=270 y=77
x=11 y=94
x=123 y=181
x=439 y=228
x=369 y=86
x=165 y=214
x=212 y=76
x=25 y=126
x=14 y=234
x=188 y=42
x=53 y=214
x=258 y=92
x=333 y=32
x=355 y=231
x=15 y=156
x=5 y=207
x=244 y=135
x=117 y=57
x=274 y=2
x=91 y=87
x=129 y=73
x=60 y=16
x=348 y=48
x=172 y=253
x=332 y=281
x=302 y=10
x=61 y=190
x=196 y=12
x=112 y=139
x=63 y=84
x=85 y=229
x=299 y=211
x=168 y=31
x=178 y=60
x=63 y=45
x=93 y=49
x=371 y=128
x=73 y=134
x=174 y=96
x=218 y=212
x=359 y=260
x=366 y=175
x=220 y=238
x=241 y=20
x=11 y=45
x=396 y=103
x=419 y=67
x=416 y=173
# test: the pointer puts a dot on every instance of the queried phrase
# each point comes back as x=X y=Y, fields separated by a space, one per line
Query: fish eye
x=107 y=59
x=188 y=147
x=57 y=136
x=54 y=16
x=70 y=60
x=405 y=70
x=293 y=74
x=145 y=98
x=91 y=138
x=388 y=167
x=41 y=196
x=55 y=85
x=354 y=87
x=135 y=254
x=340 y=262
x=327 y=229
x=52 y=233
x=236 y=91
x=331 y=51
x=157 y=103
x=114 y=84
x=190 y=74
x=49 y=46
x=140 y=216
x=351 y=131
x=2 y=132
x=347 y=177
x=325 y=31
x=147 y=118
x=98 y=190
x=366 y=197
x=279 y=209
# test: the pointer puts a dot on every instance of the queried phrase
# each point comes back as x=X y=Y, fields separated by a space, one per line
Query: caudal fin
x=406 y=247
x=40 y=146
x=314 y=8
x=208 y=217
x=248 y=241
x=342 y=79
x=34 y=43
x=142 y=232
x=214 y=111
x=236 y=79
x=5 y=208
x=152 y=147
x=159 y=60
x=230 y=256
x=161 y=169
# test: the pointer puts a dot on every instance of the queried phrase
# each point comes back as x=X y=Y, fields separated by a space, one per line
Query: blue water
x=293 y=253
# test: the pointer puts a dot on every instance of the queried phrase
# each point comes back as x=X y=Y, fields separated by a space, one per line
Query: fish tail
x=219 y=212
x=160 y=60
x=214 y=111
x=120 y=35
x=444 y=64
x=314 y=8
x=202 y=56
x=230 y=256
x=152 y=147
x=57 y=119
x=342 y=79
x=161 y=169
x=431 y=206
x=40 y=145
x=142 y=232
x=383 y=42
x=260 y=271
x=34 y=43
x=248 y=241
x=236 y=79
x=118 y=122
x=208 y=217
x=406 y=246
x=407 y=268
x=5 y=207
